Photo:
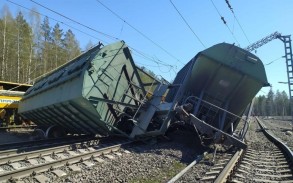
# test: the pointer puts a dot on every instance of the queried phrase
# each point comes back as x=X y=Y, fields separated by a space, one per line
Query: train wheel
x=38 y=134
x=54 y=132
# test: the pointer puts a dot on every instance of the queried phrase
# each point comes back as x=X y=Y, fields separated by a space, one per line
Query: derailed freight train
x=103 y=92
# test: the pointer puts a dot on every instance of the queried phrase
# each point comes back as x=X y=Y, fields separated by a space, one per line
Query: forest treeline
x=30 y=47
x=272 y=104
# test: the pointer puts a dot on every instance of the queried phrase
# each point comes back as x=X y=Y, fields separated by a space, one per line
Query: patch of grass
x=162 y=175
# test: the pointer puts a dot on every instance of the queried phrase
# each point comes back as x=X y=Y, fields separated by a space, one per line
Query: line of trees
x=273 y=104
x=30 y=47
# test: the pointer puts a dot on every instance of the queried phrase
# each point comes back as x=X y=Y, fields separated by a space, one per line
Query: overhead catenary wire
x=197 y=37
x=61 y=22
x=136 y=52
x=143 y=55
x=56 y=21
x=230 y=7
x=224 y=21
x=140 y=32
x=148 y=57
x=100 y=31
x=273 y=61
x=79 y=23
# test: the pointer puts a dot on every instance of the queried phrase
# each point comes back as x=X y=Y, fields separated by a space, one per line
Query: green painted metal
x=225 y=76
x=237 y=59
x=89 y=94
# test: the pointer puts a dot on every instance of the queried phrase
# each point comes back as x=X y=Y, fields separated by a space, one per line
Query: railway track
x=263 y=161
x=266 y=159
x=280 y=129
x=51 y=163
x=8 y=128
x=38 y=143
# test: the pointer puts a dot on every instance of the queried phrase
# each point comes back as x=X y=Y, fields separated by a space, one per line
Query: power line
x=97 y=30
x=273 y=61
x=145 y=56
x=56 y=20
x=142 y=34
x=230 y=7
x=187 y=24
x=139 y=52
x=150 y=58
x=224 y=21
x=81 y=24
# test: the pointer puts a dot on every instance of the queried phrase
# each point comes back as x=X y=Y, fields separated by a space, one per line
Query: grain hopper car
x=103 y=92
x=216 y=86
x=99 y=92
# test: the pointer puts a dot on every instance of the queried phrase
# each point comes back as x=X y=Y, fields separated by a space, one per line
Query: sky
x=159 y=38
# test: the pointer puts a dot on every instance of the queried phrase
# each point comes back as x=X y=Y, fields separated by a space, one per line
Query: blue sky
x=175 y=44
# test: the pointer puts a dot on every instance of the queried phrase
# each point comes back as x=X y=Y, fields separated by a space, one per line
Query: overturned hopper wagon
x=216 y=86
x=96 y=93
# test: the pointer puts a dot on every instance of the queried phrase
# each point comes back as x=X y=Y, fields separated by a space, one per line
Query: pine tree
x=24 y=40
x=25 y=47
x=71 y=45
x=286 y=103
x=270 y=103
x=57 y=35
x=9 y=46
x=46 y=44
x=4 y=27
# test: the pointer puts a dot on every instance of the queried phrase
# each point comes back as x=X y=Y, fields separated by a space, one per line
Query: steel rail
x=223 y=177
x=18 y=126
x=286 y=150
x=39 y=153
x=38 y=147
x=20 y=173
x=186 y=169
x=41 y=142
x=227 y=171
